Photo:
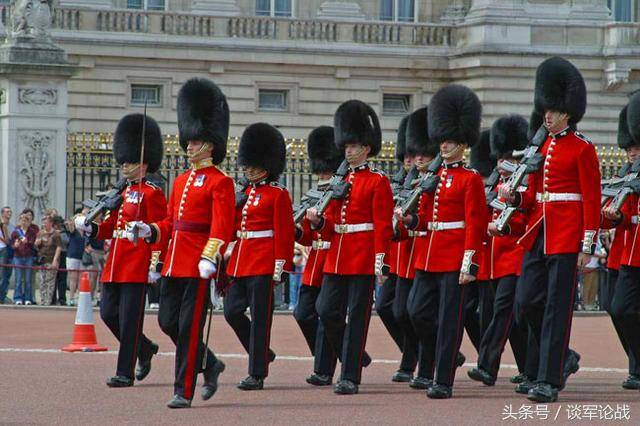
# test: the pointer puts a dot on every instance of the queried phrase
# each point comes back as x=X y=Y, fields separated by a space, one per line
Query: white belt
x=634 y=219
x=349 y=228
x=417 y=233
x=321 y=245
x=444 y=226
x=248 y=235
x=557 y=196
x=120 y=233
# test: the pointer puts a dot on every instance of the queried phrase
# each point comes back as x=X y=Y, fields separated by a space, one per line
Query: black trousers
x=256 y=293
x=486 y=298
x=472 y=322
x=501 y=328
x=606 y=293
x=154 y=292
x=122 y=310
x=545 y=295
x=339 y=295
x=182 y=315
x=306 y=316
x=436 y=307
x=384 y=308
x=625 y=308
x=60 y=290
x=410 y=340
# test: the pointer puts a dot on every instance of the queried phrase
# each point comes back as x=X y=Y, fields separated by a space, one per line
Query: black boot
x=543 y=392
x=402 y=376
x=319 y=379
x=420 y=383
x=119 y=382
x=179 y=402
x=251 y=383
x=210 y=385
x=345 y=387
x=632 y=382
x=438 y=391
x=144 y=363
x=518 y=378
x=481 y=375
x=525 y=386
x=460 y=359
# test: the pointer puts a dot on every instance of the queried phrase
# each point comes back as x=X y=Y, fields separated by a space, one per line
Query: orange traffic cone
x=84 y=334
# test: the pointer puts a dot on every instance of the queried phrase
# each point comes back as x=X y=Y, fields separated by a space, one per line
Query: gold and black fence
x=91 y=167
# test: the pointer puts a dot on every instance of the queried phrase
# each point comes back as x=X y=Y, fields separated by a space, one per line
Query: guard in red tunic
x=563 y=204
x=324 y=159
x=455 y=231
x=625 y=301
x=359 y=228
x=130 y=267
x=196 y=229
x=263 y=248
x=385 y=297
x=502 y=260
x=418 y=152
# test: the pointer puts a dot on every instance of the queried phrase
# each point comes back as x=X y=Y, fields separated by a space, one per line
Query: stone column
x=33 y=113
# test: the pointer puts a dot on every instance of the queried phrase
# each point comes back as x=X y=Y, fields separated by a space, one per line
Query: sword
x=212 y=289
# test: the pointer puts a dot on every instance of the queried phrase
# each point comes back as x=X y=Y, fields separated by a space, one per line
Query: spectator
x=591 y=278
x=23 y=239
x=74 y=258
x=60 y=289
x=299 y=260
x=96 y=251
x=49 y=245
x=6 y=251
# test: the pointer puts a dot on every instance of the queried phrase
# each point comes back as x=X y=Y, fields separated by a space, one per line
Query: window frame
x=394 y=18
x=145 y=6
x=292 y=96
x=272 y=10
x=164 y=96
x=397 y=93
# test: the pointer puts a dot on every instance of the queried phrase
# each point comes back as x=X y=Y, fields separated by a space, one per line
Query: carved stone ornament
x=31 y=19
x=37 y=96
x=37 y=168
x=615 y=76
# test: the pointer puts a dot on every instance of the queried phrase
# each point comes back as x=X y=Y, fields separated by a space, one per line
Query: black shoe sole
x=541 y=398
x=119 y=384
x=478 y=377
x=316 y=382
x=524 y=391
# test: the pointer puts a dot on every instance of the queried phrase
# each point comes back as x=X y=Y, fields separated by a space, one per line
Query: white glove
x=144 y=230
x=379 y=264
x=207 y=268
x=80 y=226
x=277 y=271
x=153 y=276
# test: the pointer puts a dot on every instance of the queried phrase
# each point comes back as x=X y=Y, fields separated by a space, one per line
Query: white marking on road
x=299 y=358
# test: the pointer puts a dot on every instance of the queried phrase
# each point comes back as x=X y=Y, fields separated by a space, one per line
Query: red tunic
x=504 y=253
x=312 y=275
x=631 y=246
x=127 y=263
x=369 y=204
x=201 y=207
x=458 y=199
x=268 y=208
x=570 y=168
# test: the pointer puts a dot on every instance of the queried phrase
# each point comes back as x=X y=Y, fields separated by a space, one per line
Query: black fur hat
x=356 y=122
x=480 y=155
x=454 y=114
x=401 y=142
x=262 y=145
x=624 y=137
x=323 y=154
x=508 y=134
x=418 y=134
x=203 y=114
x=535 y=121
x=560 y=87
x=633 y=119
x=127 y=141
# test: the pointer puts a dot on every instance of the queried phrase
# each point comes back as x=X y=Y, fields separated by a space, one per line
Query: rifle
x=426 y=183
x=611 y=187
x=397 y=181
x=631 y=186
x=337 y=189
x=241 y=185
x=531 y=162
x=107 y=201
x=492 y=181
x=307 y=201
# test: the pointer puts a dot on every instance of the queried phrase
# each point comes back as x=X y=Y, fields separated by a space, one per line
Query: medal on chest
x=256 y=200
x=199 y=182
x=449 y=181
x=134 y=197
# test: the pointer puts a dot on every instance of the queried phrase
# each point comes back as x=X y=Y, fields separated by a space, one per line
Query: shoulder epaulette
x=471 y=169
x=582 y=137
x=278 y=185
x=152 y=184
x=378 y=171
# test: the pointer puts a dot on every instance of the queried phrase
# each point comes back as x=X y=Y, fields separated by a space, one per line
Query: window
x=273 y=100
x=152 y=93
x=396 y=104
x=146 y=4
x=398 y=10
x=274 y=7
x=622 y=10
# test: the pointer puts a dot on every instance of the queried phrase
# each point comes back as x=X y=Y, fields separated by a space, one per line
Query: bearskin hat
x=356 y=122
x=203 y=115
x=418 y=134
x=535 y=121
x=401 y=142
x=560 y=87
x=480 y=155
x=624 y=137
x=262 y=145
x=508 y=134
x=454 y=114
x=323 y=154
x=127 y=141
x=633 y=118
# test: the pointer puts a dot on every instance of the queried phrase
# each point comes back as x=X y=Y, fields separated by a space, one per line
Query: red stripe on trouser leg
x=364 y=334
x=194 y=340
x=267 y=339
x=459 y=327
